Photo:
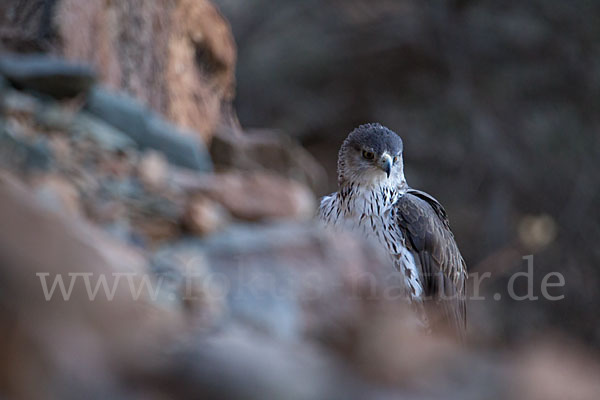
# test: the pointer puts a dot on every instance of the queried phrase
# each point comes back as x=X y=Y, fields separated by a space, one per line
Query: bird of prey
x=374 y=198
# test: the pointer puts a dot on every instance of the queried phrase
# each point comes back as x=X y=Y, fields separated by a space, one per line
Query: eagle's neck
x=363 y=199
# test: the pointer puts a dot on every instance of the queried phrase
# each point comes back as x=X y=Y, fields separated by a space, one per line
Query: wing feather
x=426 y=230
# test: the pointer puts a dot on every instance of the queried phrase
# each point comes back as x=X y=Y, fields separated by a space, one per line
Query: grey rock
x=46 y=74
x=269 y=275
x=259 y=296
x=57 y=194
x=50 y=115
x=120 y=230
x=148 y=130
x=249 y=238
x=19 y=102
x=140 y=202
x=105 y=135
x=3 y=84
x=242 y=364
x=18 y=153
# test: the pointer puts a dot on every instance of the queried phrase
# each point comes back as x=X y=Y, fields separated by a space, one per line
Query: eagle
x=374 y=198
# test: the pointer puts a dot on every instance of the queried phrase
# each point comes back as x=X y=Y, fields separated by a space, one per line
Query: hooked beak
x=385 y=163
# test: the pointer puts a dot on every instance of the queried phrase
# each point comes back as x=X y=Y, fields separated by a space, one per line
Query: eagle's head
x=371 y=157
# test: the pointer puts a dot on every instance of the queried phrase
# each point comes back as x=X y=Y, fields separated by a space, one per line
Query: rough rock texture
x=54 y=348
x=54 y=77
x=262 y=150
x=147 y=129
x=177 y=57
x=118 y=164
x=253 y=196
x=204 y=216
x=255 y=312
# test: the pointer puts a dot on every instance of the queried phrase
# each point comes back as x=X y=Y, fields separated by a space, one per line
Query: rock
x=40 y=115
x=151 y=231
x=252 y=196
x=50 y=116
x=148 y=130
x=15 y=102
x=48 y=75
x=200 y=67
x=187 y=276
x=57 y=194
x=177 y=57
x=80 y=339
x=292 y=280
x=204 y=216
x=109 y=138
x=153 y=216
x=550 y=370
x=120 y=166
x=153 y=169
x=262 y=150
x=21 y=153
x=261 y=368
x=60 y=147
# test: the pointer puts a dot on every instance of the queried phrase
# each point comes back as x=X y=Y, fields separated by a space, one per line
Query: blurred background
x=197 y=135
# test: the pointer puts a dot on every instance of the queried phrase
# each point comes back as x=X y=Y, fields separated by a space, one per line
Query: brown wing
x=426 y=229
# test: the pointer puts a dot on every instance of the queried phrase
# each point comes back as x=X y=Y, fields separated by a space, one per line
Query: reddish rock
x=178 y=57
x=204 y=216
x=252 y=196
x=79 y=339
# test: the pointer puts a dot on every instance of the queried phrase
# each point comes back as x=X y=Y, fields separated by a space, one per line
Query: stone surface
x=204 y=216
x=262 y=150
x=176 y=57
x=153 y=169
x=293 y=280
x=79 y=338
x=105 y=135
x=148 y=130
x=79 y=163
x=48 y=75
x=200 y=67
x=20 y=152
x=57 y=194
x=252 y=196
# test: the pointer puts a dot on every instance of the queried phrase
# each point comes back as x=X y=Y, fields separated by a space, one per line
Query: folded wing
x=427 y=234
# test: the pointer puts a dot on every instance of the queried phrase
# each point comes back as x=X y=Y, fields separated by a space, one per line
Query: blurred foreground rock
x=57 y=348
x=272 y=311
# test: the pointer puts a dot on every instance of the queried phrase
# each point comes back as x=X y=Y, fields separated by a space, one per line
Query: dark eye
x=396 y=159
x=369 y=155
